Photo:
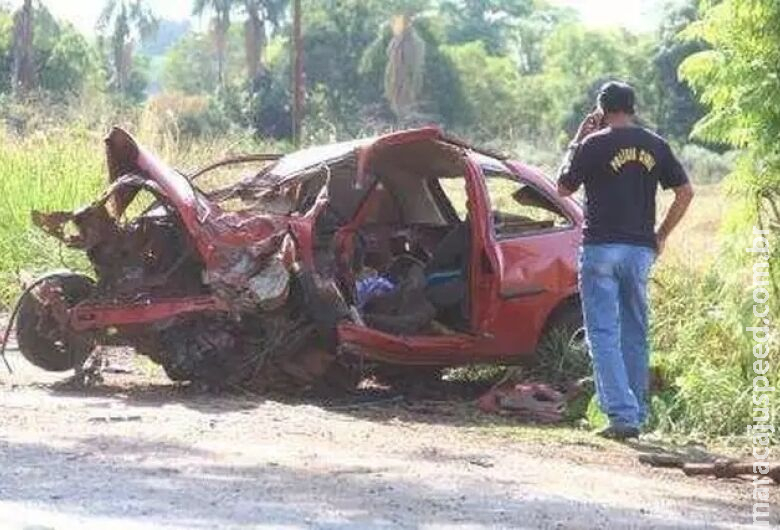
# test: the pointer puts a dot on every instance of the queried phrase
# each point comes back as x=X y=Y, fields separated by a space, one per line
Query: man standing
x=620 y=165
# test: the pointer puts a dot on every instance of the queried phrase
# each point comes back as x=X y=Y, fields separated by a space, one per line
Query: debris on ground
x=537 y=402
x=722 y=468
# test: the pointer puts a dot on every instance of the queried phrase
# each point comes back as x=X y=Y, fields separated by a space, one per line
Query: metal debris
x=529 y=401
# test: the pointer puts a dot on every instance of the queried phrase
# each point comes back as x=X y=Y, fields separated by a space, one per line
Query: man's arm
x=563 y=191
x=683 y=195
x=565 y=177
x=673 y=177
x=570 y=176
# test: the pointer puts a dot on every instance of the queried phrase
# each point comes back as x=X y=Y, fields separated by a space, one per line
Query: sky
x=84 y=13
x=637 y=15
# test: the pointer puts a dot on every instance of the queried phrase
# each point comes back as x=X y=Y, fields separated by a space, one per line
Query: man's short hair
x=617 y=96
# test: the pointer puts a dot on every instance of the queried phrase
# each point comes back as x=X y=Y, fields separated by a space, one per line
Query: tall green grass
x=63 y=169
x=53 y=171
x=702 y=353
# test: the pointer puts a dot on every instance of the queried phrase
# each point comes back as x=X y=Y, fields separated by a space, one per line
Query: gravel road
x=136 y=452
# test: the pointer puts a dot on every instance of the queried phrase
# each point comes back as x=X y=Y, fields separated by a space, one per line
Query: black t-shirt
x=621 y=169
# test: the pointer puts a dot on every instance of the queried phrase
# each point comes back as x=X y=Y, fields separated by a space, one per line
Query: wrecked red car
x=406 y=249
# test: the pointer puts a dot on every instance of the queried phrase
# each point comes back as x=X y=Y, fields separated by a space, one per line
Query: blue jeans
x=613 y=287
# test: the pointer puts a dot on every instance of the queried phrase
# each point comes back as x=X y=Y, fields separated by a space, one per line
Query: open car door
x=536 y=235
x=453 y=347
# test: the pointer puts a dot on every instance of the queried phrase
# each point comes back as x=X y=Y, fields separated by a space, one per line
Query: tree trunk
x=297 y=81
x=405 y=70
x=124 y=66
x=121 y=50
x=23 y=67
x=221 y=28
x=254 y=40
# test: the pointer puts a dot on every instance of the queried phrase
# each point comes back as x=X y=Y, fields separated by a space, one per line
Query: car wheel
x=562 y=352
x=43 y=340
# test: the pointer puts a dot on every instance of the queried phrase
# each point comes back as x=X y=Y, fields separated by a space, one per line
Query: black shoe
x=619 y=432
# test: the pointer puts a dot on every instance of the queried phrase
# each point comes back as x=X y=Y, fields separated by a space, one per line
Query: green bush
x=703 y=354
x=185 y=117
x=499 y=100
x=705 y=166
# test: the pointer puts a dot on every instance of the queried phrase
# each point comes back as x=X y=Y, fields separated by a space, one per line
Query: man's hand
x=573 y=176
x=660 y=244
x=589 y=125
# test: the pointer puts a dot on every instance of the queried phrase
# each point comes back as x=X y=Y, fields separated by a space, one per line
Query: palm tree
x=220 y=25
x=23 y=64
x=405 y=70
x=122 y=23
x=259 y=13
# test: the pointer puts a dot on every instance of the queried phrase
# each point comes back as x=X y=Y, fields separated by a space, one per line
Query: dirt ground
x=137 y=452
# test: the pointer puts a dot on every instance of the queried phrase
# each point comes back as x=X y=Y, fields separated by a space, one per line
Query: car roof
x=487 y=162
x=310 y=157
x=305 y=159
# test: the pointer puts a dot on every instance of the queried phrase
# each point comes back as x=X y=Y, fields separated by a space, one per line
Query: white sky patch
x=84 y=13
x=636 y=15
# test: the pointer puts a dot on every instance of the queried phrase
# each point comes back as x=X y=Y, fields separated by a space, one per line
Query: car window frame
x=509 y=174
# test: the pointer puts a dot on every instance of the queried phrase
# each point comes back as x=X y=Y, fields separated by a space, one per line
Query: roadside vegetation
x=515 y=75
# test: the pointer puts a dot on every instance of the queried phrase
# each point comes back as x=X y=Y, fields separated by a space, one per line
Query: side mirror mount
x=530 y=196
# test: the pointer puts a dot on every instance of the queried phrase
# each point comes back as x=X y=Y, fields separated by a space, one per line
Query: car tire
x=562 y=353
x=568 y=321
x=42 y=340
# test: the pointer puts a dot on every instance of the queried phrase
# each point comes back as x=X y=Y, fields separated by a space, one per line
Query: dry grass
x=696 y=244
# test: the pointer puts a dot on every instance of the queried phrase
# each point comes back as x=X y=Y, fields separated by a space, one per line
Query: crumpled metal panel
x=271 y=285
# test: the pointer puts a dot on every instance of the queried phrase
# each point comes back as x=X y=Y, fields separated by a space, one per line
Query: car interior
x=397 y=238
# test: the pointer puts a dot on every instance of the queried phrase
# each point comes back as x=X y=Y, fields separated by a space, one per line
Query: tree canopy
x=486 y=68
x=738 y=80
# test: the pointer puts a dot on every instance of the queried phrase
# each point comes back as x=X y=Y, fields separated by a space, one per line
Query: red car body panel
x=90 y=316
x=536 y=272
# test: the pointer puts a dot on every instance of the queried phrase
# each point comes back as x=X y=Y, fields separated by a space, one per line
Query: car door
x=535 y=235
x=452 y=348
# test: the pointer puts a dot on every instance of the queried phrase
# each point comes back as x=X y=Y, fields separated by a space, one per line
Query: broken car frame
x=261 y=283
